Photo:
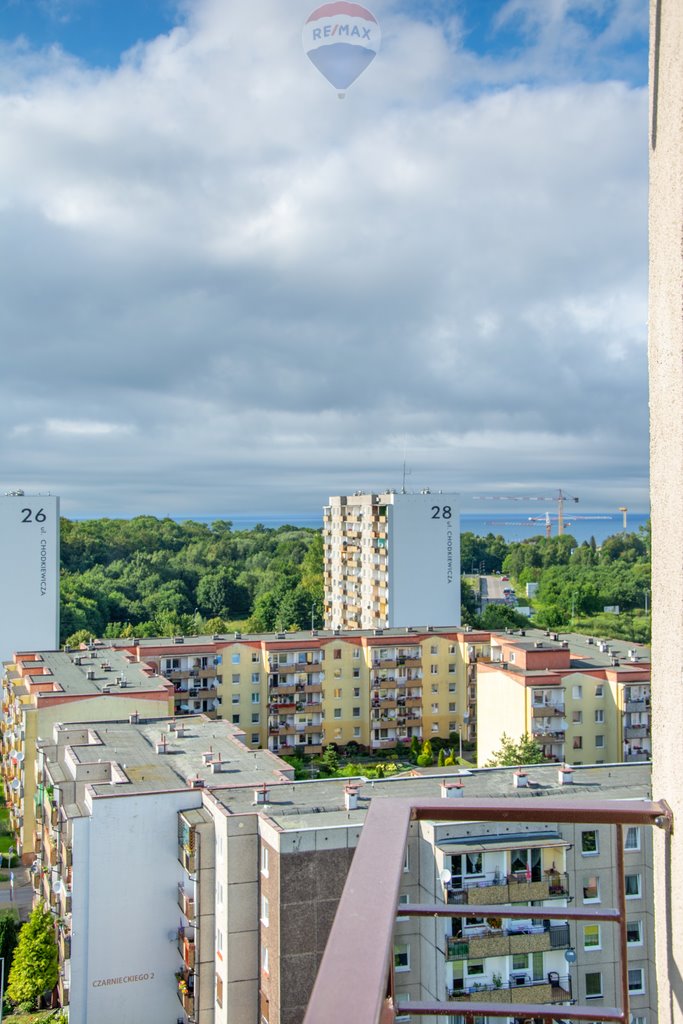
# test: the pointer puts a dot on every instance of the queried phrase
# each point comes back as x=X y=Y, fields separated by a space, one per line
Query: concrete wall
x=124 y=951
x=424 y=560
x=666 y=456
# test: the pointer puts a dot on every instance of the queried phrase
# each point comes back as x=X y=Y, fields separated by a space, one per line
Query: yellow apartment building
x=585 y=701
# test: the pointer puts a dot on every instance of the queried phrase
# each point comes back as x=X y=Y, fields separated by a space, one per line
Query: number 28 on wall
x=441 y=512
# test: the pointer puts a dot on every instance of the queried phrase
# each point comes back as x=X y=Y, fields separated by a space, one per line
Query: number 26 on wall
x=29 y=516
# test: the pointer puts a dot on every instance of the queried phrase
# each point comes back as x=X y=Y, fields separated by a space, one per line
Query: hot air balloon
x=341 y=39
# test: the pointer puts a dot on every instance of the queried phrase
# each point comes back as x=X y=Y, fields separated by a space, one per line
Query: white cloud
x=269 y=286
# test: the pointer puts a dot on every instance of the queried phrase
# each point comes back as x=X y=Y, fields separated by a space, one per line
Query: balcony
x=514 y=888
x=186 y=948
x=508 y=941
x=186 y=903
x=637 y=705
x=375 y=879
x=187 y=858
x=632 y=732
x=559 y=991
x=542 y=710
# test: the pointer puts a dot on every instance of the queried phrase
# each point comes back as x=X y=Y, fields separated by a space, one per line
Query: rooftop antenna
x=406 y=472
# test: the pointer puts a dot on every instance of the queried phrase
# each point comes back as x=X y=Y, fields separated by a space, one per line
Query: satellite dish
x=58 y=887
x=15 y=784
x=19 y=756
x=445 y=876
x=570 y=955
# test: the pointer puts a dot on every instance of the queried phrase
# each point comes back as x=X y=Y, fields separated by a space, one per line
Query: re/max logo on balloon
x=341 y=39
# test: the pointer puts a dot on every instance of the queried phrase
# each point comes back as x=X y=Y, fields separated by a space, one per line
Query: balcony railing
x=557 y=991
x=508 y=942
x=375 y=878
x=513 y=888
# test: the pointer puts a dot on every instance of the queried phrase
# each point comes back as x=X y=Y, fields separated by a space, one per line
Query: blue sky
x=226 y=291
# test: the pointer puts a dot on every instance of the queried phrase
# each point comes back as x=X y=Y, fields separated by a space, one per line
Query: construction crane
x=560 y=498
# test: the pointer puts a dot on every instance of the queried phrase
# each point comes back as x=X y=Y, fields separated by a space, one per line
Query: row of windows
x=636 y=983
x=592 y=935
x=590 y=840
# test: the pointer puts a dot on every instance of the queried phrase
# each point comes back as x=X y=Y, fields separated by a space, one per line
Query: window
x=634 y=933
x=593 y=984
x=356 y=691
x=337 y=654
x=264 y=860
x=577 y=717
x=434 y=669
x=599 y=716
x=451 y=648
x=434 y=649
x=255 y=656
x=599 y=690
x=451 y=668
x=219 y=990
x=256 y=698
x=255 y=718
x=435 y=687
x=577 y=692
x=219 y=940
x=356 y=653
x=235 y=698
x=632 y=886
x=589 y=842
x=235 y=659
x=356 y=731
x=591 y=936
x=599 y=741
x=236 y=678
x=451 y=687
x=474 y=967
x=452 y=707
x=632 y=841
x=356 y=673
x=403 y=900
x=256 y=678
x=402 y=957
x=435 y=709
x=265 y=910
x=578 y=743
x=356 y=712
x=337 y=712
x=264 y=959
x=338 y=693
x=435 y=726
x=337 y=673
x=636 y=980
x=591 y=889
x=255 y=739
x=235 y=719
x=520 y=961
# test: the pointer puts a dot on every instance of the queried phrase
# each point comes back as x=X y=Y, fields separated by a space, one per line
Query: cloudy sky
x=224 y=290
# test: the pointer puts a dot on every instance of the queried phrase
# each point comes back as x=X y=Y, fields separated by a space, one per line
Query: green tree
x=501 y=616
x=35 y=965
x=525 y=751
x=441 y=760
x=9 y=933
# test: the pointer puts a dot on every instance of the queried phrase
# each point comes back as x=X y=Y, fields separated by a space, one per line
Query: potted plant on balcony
x=497 y=980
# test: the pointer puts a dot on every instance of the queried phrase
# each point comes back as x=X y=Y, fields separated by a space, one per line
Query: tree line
x=159 y=577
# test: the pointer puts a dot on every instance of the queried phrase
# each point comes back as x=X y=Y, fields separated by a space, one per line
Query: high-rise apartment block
x=29 y=570
x=392 y=560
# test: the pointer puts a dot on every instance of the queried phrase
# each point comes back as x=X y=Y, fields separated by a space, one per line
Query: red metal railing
x=355 y=981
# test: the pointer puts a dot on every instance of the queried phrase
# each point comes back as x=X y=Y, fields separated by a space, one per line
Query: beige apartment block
x=585 y=701
x=41 y=688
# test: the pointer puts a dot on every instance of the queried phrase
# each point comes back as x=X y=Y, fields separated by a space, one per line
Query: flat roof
x=320 y=803
x=134 y=749
x=71 y=671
